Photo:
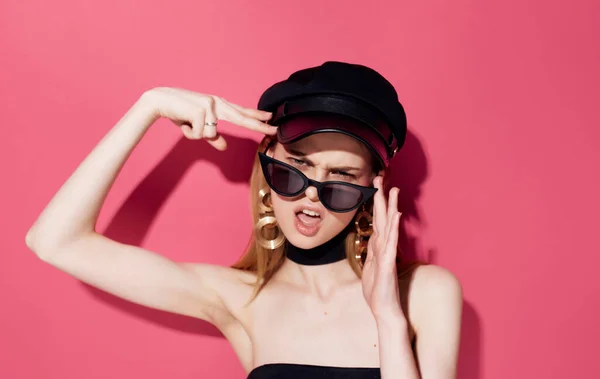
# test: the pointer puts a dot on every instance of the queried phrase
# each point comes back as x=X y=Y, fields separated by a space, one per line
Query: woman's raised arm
x=64 y=234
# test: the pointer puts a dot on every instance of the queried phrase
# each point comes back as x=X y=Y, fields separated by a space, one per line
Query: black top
x=301 y=371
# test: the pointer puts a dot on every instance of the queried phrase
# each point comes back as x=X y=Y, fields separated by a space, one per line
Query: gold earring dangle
x=364 y=229
x=267 y=223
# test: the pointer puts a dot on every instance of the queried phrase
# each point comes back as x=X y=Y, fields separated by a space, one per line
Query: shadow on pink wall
x=132 y=221
x=469 y=361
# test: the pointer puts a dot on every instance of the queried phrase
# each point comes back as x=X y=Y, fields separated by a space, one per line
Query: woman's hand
x=379 y=276
x=192 y=111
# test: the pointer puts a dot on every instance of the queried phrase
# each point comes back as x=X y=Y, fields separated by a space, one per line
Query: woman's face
x=321 y=157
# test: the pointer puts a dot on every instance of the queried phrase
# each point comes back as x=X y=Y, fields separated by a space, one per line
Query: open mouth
x=308 y=218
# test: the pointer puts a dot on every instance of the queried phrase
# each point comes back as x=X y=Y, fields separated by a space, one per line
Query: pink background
x=499 y=175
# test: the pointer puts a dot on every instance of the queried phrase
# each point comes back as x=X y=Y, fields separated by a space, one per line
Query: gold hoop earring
x=364 y=229
x=264 y=201
x=267 y=223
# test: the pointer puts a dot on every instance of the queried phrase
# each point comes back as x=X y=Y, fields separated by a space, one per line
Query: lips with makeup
x=308 y=220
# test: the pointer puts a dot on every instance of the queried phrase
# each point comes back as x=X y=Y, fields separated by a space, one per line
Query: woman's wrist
x=392 y=322
x=146 y=108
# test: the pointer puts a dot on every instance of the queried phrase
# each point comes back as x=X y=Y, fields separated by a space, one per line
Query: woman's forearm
x=395 y=352
x=75 y=207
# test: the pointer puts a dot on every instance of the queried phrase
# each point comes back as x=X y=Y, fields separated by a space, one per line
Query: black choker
x=331 y=251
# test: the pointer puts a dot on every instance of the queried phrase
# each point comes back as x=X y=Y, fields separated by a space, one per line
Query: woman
x=310 y=297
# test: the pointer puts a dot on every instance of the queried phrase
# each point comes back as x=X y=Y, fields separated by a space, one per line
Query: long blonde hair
x=264 y=262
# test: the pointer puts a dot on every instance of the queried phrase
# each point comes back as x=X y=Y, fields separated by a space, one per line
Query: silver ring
x=210 y=124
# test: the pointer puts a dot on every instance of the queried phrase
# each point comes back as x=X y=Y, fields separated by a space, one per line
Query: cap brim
x=289 y=132
x=368 y=126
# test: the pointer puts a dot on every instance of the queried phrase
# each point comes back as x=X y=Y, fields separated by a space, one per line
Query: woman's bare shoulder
x=433 y=290
x=233 y=287
x=436 y=279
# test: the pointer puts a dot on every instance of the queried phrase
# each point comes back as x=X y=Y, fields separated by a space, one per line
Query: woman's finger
x=198 y=119
x=385 y=237
x=186 y=128
x=379 y=207
x=210 y=131
x=231 y=114
x=392 y=203
x=218 y=142
x=255 y=113
x=391 y=245
x=210 y=121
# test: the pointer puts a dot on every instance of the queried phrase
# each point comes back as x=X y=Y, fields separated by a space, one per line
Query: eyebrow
x=340 y=168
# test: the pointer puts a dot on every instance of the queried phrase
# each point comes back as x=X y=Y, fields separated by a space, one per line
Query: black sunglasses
x=336 y=196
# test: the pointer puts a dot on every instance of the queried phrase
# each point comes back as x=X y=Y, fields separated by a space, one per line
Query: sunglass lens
x=284 y=180
x=340 y=197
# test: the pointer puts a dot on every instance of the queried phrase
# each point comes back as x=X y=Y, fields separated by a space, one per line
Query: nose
x=312 y=194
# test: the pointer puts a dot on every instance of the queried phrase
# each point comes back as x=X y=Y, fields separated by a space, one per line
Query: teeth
x=310 y=213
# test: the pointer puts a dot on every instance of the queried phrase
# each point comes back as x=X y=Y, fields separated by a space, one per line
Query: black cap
x=341 y=88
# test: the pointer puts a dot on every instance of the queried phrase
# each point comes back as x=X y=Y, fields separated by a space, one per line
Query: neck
x=331 y=251
x=322 y=270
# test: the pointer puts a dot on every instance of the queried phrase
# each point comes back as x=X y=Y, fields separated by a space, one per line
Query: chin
x=303 y=241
